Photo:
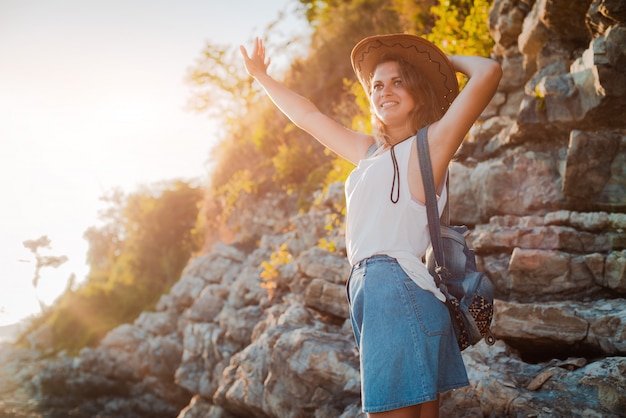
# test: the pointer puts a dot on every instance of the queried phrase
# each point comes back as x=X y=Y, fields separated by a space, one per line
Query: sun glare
x=92 y=100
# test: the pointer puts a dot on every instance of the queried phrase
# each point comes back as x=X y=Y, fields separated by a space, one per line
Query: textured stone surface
x=541 y=181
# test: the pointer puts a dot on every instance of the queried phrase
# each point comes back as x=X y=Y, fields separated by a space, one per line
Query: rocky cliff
x=541 y=180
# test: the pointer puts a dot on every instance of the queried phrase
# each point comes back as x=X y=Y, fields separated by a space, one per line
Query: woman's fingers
x=256 y=61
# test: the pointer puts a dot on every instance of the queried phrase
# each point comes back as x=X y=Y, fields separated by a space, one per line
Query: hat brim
x=422 y=54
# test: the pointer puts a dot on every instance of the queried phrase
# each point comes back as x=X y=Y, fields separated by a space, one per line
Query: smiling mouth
x=387 y=104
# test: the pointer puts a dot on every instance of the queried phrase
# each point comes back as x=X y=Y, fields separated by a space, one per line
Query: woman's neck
x=399 y=135
x=388 y=144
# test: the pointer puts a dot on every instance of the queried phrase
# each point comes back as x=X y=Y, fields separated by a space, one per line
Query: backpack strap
x=431 y=203
x=445 y=216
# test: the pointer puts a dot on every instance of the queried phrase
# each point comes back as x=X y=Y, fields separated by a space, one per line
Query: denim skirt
x=408 y=350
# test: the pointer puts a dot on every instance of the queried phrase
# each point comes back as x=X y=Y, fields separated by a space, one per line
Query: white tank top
x=376 y=225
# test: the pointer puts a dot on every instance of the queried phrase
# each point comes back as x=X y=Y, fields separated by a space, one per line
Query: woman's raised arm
x=304 y=114
x=447 y=134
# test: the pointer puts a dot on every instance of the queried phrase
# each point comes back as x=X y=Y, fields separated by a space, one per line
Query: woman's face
x=390 y=99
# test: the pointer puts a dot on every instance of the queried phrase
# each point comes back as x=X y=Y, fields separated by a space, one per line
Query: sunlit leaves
x=461 y=27
x=137 y=254
x=41 y=260
x=271 y=269
x=219 y=83
x=242 y=181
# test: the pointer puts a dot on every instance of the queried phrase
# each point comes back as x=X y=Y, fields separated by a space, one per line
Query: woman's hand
x=305 y=115
x=256 y=64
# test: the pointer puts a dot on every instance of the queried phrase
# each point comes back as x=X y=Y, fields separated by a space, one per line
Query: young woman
x=408 y=350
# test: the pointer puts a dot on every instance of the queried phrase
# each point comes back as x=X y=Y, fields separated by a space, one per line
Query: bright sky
x=92 y=98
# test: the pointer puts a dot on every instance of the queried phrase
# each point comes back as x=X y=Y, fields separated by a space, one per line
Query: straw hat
x=422 y=54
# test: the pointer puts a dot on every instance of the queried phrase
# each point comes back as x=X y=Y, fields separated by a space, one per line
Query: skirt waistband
x=373 y=258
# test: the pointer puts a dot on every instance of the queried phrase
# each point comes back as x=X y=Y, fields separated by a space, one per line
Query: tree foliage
x=137 y=254
x=461 y=27
x=41 y=260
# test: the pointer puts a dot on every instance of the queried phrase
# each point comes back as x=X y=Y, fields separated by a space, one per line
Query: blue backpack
x=469 y=293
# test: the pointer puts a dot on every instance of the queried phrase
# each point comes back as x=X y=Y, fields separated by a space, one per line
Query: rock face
x=541 y=181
